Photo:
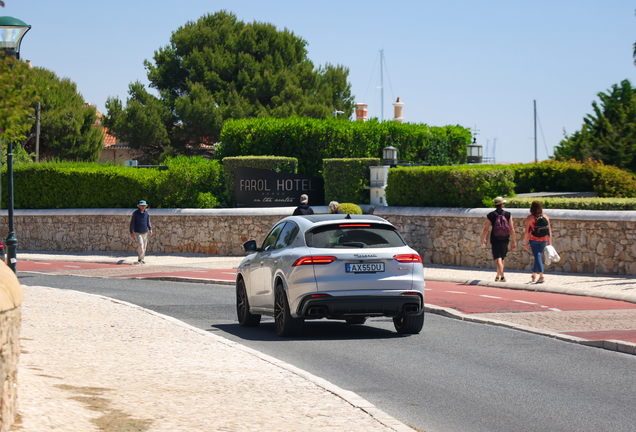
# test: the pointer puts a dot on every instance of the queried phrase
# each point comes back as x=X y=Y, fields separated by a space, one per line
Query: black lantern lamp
x=389 y=156
x=474 y=153
x=12 y=30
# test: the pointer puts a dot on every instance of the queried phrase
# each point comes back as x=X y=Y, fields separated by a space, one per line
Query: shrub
x=312 y=140
x=189 y=177
x=574 y=176
x=449 y=186
x=348 y=208
x=274 y=163
x=575 y=203
x=345 y=179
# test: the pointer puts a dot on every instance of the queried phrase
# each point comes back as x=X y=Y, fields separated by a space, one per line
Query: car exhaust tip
x=411 y=308
x=317 y=311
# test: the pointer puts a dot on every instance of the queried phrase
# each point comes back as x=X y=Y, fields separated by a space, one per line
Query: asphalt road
x=454 y=376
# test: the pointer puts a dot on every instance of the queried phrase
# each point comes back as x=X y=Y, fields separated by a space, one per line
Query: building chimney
x=398 y=111
x=361 y=112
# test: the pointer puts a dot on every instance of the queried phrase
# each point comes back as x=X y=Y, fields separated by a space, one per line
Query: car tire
x=245 y=317
x=286 y=325
x=356 y=320
x=410 y=324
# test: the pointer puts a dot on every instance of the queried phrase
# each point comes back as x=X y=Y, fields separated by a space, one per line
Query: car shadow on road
x=312 y=330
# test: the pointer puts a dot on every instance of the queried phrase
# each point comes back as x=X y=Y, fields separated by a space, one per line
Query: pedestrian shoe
x=497 y=279
x=142 y=262
x=503 y=279
x=541 y=280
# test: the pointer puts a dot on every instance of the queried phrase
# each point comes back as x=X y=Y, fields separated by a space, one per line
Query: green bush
x=91 y=185
x=348 y=208
x=449 y=186
x=274 y=163
x=345 y=179
x=573 y=176
x=312 y=140
x=575 y=203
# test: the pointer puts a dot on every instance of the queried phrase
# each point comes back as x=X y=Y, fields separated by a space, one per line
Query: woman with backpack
x=538 y=233
x=502 y=230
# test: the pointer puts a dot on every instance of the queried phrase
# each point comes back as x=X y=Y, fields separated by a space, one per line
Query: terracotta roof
x=111 y=142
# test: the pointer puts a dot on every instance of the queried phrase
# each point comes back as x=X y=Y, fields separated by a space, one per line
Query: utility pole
x=382 y=85
x=536 y=159
x=37 y=133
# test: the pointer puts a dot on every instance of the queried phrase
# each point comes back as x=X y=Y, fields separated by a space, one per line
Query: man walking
x=140 y=226
x=502 y=230
x=303 y=208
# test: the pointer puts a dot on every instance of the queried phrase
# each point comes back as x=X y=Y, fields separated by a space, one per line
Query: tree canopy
x=220 y=68
x=67 y=128
x=609 y=133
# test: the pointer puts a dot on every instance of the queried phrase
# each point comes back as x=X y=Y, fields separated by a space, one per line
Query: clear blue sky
x=455 y=62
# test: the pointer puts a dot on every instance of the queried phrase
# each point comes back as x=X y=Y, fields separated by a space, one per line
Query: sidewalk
x=91 y=363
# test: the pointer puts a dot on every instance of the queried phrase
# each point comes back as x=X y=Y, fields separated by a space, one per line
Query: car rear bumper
x=347 y=306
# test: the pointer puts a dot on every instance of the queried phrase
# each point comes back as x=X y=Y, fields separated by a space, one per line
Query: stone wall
x=588 y=241
x=11 y=298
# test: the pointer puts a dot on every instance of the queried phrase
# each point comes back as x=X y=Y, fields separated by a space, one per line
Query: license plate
x=364 y=268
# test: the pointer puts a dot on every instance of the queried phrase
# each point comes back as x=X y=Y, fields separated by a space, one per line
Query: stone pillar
x=361 y=112
x=11 y=297
x=397 y=109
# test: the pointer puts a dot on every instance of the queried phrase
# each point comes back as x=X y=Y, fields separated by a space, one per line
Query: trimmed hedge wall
x=274 y=163
x=573 y=176
x=345 y=179
x=465 y=186
x=189 y=182
x=575 y=203
x=312 y=140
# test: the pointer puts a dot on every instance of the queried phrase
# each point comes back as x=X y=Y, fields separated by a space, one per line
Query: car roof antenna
x=348 y=216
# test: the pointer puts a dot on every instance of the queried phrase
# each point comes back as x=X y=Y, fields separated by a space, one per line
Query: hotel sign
x=266 y=188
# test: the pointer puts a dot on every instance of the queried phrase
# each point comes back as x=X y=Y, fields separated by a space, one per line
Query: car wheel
x=356 y=320
x=245 y=317
x=410 y=324
x=286 y=325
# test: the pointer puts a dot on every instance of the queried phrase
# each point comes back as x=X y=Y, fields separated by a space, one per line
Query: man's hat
x=142 y=202
x=499 y=200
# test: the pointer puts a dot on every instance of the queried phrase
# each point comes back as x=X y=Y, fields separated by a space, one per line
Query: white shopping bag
x=551 y=255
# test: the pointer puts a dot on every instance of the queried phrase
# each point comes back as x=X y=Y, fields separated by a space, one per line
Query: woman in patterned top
x=536 y=237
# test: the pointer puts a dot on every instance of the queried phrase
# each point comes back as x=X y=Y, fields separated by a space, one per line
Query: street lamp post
x=12 y=30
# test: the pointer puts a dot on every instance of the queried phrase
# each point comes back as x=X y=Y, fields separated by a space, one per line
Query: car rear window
x=354 y=235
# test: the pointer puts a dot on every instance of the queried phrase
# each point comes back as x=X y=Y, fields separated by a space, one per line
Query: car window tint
x=364 y=236
x=270 y=240
x=287 y=235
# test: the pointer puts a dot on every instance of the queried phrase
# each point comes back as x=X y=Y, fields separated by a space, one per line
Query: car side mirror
x=250 y=246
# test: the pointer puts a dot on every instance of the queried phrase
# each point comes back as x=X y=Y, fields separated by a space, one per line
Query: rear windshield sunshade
x=354 y=235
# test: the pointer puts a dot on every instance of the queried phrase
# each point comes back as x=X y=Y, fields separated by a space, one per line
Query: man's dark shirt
x=303 y=209
x=140 y=222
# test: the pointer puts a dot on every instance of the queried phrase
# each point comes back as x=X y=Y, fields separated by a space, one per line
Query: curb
x=630 y=298
x=348 y=396
x=611 y=345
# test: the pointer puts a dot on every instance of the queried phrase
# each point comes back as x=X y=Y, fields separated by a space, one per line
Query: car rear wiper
x=351 y=244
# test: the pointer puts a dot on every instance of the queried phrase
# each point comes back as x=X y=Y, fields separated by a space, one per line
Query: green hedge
x=274 y=163
x=349 y=208
x=312 y=140
x=189 y=182
x=345 y=179
x=450 y=186
x=573 y=176
x=575 y=203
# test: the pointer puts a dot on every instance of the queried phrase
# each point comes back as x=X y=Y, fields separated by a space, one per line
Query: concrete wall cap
x=599 y=215
x=11 y=295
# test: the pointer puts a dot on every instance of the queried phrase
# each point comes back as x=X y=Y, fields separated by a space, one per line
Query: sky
x=478 y=64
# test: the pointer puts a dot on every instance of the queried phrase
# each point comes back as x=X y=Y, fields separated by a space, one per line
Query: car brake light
x=411 y=293
x=408 y=258
x=354 y=225
x=317 y=260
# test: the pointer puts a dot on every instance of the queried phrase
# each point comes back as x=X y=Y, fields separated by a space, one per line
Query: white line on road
x=37 y=262
x=71 y=266
x=555 y=310
x=456 y=292
x=525 y=302
x=487 y=296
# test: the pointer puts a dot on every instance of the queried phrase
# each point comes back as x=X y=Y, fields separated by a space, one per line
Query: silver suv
x=343 y=267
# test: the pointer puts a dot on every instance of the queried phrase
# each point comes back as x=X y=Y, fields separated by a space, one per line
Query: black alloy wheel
x=286 y=325
x=410 y=324
x=245 y=317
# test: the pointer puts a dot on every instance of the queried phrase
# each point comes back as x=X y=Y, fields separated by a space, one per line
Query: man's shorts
x=499 y=250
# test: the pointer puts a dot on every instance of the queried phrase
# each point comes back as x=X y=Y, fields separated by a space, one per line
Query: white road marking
x=228 y=273
x=456 y=292
x=428 y=289
x=71 y=266
x=487 y=296
x=525 y=302
x=37 y=262
x=555 y=310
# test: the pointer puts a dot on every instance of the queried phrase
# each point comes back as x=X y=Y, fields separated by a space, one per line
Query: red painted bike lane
x=56 y=266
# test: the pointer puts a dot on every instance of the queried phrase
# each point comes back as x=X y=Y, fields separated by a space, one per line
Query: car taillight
x=317 y=260
x=354 y=225
x=408 y=258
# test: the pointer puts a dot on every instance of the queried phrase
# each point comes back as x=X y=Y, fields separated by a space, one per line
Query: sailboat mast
x=536 y=159
x=382 y=85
